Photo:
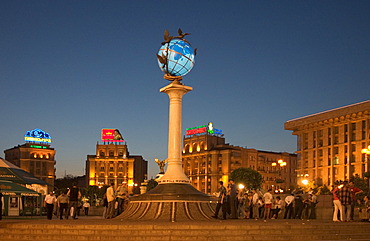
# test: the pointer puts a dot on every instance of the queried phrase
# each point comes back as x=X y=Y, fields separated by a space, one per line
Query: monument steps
x=229 y=230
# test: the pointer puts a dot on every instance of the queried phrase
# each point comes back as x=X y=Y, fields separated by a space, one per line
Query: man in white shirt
x=289 y=200
x=267 y=199
x=111 y=201
x=254 y=204
x=49 y=201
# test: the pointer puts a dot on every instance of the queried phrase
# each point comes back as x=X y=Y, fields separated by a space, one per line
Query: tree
x=251 y=179
x=151 y=184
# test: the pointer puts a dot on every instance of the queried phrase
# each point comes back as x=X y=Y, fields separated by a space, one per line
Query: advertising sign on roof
x=203 y=129
x=111 y=135
x=37 y=136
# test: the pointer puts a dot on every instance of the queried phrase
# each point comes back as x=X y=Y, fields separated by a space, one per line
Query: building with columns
x=112 y=163
x=207 y=159
x=330 y=143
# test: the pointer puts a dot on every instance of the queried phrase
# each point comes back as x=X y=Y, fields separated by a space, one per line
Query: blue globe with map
x=179 y=57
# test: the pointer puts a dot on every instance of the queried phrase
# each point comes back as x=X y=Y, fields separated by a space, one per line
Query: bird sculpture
x=181 y=34
x=162 y=59
x=167 y=37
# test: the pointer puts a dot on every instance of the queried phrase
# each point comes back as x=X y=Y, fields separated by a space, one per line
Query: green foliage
x=93 y=193
x=251 y=179
x=323 y=190
x=151 y=184
x=65 y=182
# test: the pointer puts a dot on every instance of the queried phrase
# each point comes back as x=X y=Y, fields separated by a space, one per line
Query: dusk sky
x=74 y=67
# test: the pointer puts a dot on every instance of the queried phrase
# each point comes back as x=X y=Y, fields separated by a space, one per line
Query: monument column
x=174 y=172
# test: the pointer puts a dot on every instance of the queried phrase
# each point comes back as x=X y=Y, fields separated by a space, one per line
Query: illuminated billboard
x=37 y=136
x=203 y=129
x=111 y=135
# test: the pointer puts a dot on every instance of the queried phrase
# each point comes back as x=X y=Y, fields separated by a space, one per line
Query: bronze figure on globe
x=176 y=56
x=174 y=198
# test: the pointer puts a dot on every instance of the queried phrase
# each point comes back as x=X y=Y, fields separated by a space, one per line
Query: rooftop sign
x=111 y=135
x=203 y=129
x=37 y=136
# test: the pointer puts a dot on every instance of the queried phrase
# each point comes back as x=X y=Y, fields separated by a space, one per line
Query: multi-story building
x=112 y=163
x=330 y=143
x=35 y=158
x=207 y=159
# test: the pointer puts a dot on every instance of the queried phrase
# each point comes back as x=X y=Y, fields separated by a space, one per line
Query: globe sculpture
x=174 y=198
x=176 y=56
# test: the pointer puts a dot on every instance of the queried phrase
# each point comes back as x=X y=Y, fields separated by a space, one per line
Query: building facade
x=330 y=143
x=37 y=159
x=112 y=163
x=207 y=159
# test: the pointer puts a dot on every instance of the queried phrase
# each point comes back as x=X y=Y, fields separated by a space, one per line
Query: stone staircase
x=227 y=230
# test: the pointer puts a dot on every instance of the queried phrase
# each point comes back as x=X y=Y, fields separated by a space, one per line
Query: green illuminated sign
x=42 y=147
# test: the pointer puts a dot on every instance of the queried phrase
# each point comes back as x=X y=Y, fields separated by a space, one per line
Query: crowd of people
x=233 y=203
x=345 y=200
x=238 y=203
x=115 y=201
x=67 y=204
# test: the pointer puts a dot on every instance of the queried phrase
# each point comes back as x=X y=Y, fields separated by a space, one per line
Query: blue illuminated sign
x=38 y=136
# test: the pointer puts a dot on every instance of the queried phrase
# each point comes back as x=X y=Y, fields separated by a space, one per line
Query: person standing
x=74 y=194
x=345 y=197
x=233 y=201
x=354 y=191
x=221 y=201
x=240 y=200
x=122 y=197
x=86 y=207
x=277 y=207
x=49 y=201
x=298 y=206
x=267 y=199
x=255 y=204
x=111 y=201
x=105 y=205
x=1 y=205
x=289 y=200
x=337 y=206
x=62 y=202
x=364 y=209
x=312 y=202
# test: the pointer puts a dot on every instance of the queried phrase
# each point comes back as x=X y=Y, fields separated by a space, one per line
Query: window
x=336 y=161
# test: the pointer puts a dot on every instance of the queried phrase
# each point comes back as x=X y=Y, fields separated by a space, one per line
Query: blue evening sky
x=74 y=67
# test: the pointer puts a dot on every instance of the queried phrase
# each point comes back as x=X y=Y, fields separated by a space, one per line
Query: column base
x=172 y=202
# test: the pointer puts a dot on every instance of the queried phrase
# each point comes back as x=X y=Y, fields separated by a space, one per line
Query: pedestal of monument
x=174 y=199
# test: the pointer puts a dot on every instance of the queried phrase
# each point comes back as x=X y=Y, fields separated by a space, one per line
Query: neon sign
x=41 y=147
x=38 y=136
x=203 y=129
x=112 y=135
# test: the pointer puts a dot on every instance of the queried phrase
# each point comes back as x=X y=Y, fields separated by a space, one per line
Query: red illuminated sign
x=112 y=135
x=196 y=131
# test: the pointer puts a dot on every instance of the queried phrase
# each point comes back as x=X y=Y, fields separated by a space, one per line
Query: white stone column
x=174 y=173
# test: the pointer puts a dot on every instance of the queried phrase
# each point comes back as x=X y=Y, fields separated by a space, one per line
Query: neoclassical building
x=330 y=143
x=207 y=159
x=112 y=163
x=35 y=158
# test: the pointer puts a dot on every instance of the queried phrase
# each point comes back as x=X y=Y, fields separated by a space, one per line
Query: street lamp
x=281 y=163
x=366 y=151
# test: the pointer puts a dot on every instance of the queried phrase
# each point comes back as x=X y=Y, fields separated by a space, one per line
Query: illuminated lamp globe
x=179 y=55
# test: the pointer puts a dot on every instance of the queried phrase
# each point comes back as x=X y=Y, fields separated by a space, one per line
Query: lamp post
x=366 y=151
x=280 y=163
